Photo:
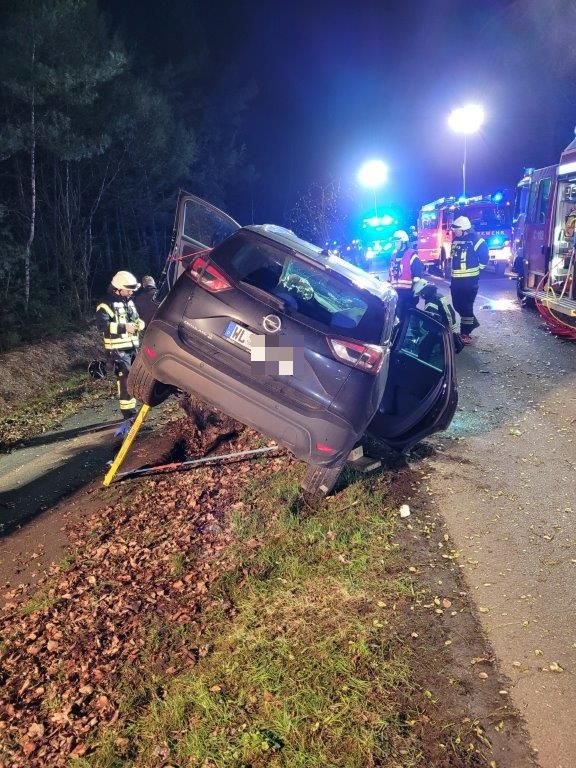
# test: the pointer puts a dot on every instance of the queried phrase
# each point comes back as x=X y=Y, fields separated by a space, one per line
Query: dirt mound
x=26 y=371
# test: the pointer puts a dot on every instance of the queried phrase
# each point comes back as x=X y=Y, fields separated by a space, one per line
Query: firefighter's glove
x=140 y=324
x=124 y=428
x=131 y=328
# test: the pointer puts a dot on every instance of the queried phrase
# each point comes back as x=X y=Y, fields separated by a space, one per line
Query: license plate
x=239 y=335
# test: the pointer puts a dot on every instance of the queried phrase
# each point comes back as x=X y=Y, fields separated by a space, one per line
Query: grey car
x=292 y=341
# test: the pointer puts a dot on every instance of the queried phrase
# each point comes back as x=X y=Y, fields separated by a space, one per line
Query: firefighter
x=144 y=299
x=120 y=324
x=405 y=268
x=469 y=255
x=439 y=307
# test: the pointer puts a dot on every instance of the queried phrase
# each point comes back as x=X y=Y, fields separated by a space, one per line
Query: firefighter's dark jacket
x=112 y=315
x=145 y=304
x=469 y=254
x=440 y=307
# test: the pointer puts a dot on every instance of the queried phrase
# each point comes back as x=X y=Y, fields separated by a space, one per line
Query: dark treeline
x=95 y=141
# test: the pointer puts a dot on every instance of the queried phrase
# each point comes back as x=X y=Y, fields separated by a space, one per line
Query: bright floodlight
x=468 y=119
x=373 y=174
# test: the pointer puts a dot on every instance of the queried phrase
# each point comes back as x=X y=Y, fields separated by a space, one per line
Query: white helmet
x=148 y=282
x=419 y=286
x=462 y=222
x=125 y=281
x=400 y=235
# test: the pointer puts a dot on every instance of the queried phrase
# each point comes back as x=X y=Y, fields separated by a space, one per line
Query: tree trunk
x=31 y=231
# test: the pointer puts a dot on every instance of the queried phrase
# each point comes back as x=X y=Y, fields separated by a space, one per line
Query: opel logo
x=272 y=323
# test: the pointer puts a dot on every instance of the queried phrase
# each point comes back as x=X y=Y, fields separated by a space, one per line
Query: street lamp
x=373 y=174
x=466 y=120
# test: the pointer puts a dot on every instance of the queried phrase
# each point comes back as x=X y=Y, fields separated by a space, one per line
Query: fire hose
x=554 y=322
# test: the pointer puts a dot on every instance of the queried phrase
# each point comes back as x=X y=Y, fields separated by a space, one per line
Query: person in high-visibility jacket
x=120 y=324
x=405 y=268
x=469 y=255
x=439 y=307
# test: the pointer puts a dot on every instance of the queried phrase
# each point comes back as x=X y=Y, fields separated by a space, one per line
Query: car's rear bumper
x=301 y=431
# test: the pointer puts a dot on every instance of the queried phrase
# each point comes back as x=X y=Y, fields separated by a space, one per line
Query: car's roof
x=324 y=258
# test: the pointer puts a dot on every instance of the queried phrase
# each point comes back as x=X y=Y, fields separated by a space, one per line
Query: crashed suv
x=292 y=341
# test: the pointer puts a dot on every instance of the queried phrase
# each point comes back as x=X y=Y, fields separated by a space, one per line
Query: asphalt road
x=504 y=480
x=46 y=468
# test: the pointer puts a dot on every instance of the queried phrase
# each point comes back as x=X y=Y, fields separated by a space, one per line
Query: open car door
x=198 y=226
x=421 y=391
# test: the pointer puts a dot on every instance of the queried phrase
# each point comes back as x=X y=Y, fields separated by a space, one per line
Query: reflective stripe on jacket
x=469 y=254
x=443 y=310
x=405 y=268
x=112 y=315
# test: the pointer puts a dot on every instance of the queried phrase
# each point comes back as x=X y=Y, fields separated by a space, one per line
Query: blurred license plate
x=237 y=334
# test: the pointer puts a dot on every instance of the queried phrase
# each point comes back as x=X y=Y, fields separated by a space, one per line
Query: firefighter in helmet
x=120 y=324
x=469 y=255
x=144 y=299
x=440 y=308
x=405 y=268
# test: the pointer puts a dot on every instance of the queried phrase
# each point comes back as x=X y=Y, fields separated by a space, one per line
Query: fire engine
x=491 y=217
x=544 y=241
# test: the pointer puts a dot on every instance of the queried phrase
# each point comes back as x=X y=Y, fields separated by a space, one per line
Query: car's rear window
x=319 y=297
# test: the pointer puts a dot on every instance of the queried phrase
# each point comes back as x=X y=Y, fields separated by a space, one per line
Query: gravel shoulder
x=503 y=479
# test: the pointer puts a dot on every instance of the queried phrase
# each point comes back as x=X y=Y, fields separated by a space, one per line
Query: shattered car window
x=318 y=296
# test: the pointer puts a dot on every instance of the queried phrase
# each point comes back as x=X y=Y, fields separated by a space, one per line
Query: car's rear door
x=421 y=391
x=198 y=226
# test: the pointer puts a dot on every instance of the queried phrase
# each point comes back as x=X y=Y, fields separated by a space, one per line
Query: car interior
x=415 y=377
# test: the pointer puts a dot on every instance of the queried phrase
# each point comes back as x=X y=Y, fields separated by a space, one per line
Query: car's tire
x=523 y=298
x=319 y=481
x=145 y=387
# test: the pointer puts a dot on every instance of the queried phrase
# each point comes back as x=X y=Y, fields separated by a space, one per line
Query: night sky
x=339 y=83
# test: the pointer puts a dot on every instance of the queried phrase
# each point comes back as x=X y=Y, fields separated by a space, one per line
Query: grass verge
x=303 y=658
x=45 y=411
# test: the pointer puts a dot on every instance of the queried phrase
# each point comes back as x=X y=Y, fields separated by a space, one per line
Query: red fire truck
x=543 y=241
x=491 y=217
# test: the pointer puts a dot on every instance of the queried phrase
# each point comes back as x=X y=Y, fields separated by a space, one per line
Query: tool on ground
x=177 y=465
x=125 y=447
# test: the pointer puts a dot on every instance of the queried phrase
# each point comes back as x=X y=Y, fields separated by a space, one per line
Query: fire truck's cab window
x=521 y=201
x=564 y=229
x=539 y=197
x=429 y=219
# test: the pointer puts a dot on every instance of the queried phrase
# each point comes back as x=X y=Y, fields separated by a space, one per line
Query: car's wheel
x=500 y=268
x=319 y=481
x=523 y=298
x=145 y=387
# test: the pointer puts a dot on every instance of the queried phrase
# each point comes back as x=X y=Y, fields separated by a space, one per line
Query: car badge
x=272 y=323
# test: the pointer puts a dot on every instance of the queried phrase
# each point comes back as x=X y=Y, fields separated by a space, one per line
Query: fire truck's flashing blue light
x=496 y=241
x=498 y=197
x=379 y=221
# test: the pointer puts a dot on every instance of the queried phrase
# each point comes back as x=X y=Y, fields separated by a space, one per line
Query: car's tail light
x=366 y=357
x=203 y=272
x=324 y=448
